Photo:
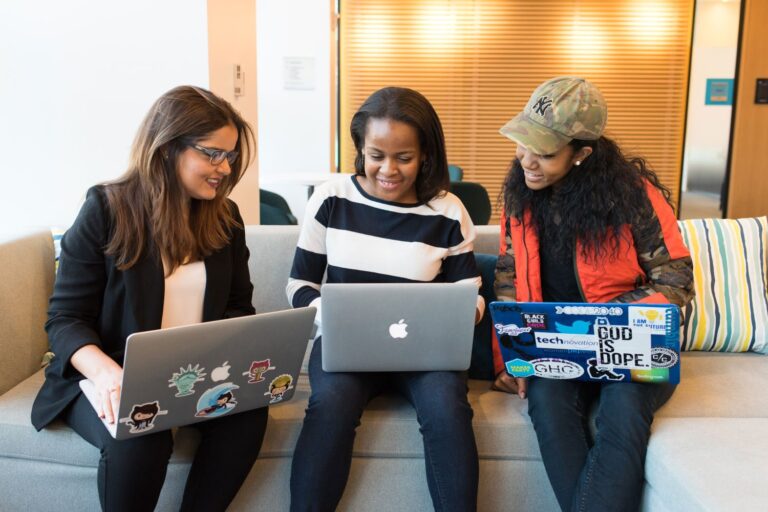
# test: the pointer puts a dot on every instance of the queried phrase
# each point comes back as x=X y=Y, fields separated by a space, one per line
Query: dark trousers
x=131 y=472
x=604 y=473
x=323 y=452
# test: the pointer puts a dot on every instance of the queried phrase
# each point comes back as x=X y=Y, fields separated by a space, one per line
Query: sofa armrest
x=26 y=283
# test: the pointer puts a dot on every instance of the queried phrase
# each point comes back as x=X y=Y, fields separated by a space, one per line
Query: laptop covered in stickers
x=384 y=327
x=183 y=375
x=612 y=342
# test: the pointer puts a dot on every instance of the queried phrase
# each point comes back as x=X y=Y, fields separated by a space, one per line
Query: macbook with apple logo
x=379 y=327
x=183 y=375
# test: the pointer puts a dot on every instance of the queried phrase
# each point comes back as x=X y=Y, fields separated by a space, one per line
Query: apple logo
x=221 y=373
x=398 y=330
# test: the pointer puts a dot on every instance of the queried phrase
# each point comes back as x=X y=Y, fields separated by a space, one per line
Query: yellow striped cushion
x=730 y=311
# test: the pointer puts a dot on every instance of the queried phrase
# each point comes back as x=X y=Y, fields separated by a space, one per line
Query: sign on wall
x=719 y=91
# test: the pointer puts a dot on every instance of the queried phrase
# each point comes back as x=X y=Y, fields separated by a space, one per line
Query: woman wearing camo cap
x=584 y=223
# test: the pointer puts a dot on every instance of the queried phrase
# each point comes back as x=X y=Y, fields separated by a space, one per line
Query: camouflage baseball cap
x=560 y=109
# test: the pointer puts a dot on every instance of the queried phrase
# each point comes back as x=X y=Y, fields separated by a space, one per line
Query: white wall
x=76 y=78
x=294 y=124
x=708 y=126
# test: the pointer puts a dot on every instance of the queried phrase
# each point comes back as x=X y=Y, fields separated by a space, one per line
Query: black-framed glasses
x=217 y=156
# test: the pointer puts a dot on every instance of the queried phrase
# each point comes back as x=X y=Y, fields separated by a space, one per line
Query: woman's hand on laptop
x=508 y=384
x=109 y=387
x=106 y=375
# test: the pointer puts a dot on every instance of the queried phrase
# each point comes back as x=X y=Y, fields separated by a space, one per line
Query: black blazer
x=95 y=303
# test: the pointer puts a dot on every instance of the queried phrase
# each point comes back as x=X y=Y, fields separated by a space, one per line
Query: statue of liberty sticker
x=185 y=379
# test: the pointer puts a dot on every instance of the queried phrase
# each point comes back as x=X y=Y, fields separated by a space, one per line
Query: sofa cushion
x=698 y=464
x=60 y=444
x=720 y=385
x=730 y=310
x=389 y=428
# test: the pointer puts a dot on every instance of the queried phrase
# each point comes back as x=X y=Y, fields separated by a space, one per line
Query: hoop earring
x=577 y=163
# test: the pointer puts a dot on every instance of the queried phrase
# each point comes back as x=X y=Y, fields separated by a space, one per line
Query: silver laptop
x=397 y=327
x=184 y=375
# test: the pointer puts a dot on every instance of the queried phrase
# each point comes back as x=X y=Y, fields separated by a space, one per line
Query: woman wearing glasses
x=159 y=247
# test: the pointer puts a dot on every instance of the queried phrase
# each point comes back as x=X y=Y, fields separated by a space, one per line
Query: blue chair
x=475 y=199
x=455 y=173
x=274 y=209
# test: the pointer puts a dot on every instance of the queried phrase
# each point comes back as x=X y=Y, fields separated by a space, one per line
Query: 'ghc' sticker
x=553 y=368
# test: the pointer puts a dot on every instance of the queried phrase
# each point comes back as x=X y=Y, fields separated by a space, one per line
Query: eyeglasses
x=217 y=156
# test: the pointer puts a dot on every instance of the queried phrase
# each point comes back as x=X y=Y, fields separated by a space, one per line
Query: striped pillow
x=730 y=311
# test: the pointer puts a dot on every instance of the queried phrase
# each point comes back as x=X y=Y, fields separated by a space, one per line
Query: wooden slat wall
x=478 y=62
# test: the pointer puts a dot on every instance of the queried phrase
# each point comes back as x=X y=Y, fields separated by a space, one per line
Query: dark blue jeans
x=604 y=473
x=323 y=452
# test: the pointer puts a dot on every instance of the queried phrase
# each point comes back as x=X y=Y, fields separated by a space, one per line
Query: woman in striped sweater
x=392 y=221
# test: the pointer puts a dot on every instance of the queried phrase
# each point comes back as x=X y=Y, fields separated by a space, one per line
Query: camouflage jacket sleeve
x=504 y=282
x=672 y=277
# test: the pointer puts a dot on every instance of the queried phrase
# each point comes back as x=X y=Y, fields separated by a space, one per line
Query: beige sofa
x=709 y=450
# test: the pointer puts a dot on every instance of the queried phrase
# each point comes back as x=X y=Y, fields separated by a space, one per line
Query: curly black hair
x=592 y=201
x=410 y=107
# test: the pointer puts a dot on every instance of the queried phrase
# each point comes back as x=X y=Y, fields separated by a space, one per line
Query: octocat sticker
x=258 y=369
x=142 y=417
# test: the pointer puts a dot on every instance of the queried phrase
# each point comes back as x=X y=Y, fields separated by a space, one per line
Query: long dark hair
x=590 y=204
x=149 y=196
x=410 y=107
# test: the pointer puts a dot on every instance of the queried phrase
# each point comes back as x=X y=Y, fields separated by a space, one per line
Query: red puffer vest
x=599 y=280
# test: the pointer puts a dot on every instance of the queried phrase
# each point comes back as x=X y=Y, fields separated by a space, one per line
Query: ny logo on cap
x=541 y=106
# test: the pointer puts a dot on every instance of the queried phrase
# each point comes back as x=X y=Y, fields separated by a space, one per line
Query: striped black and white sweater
x=358 y=238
